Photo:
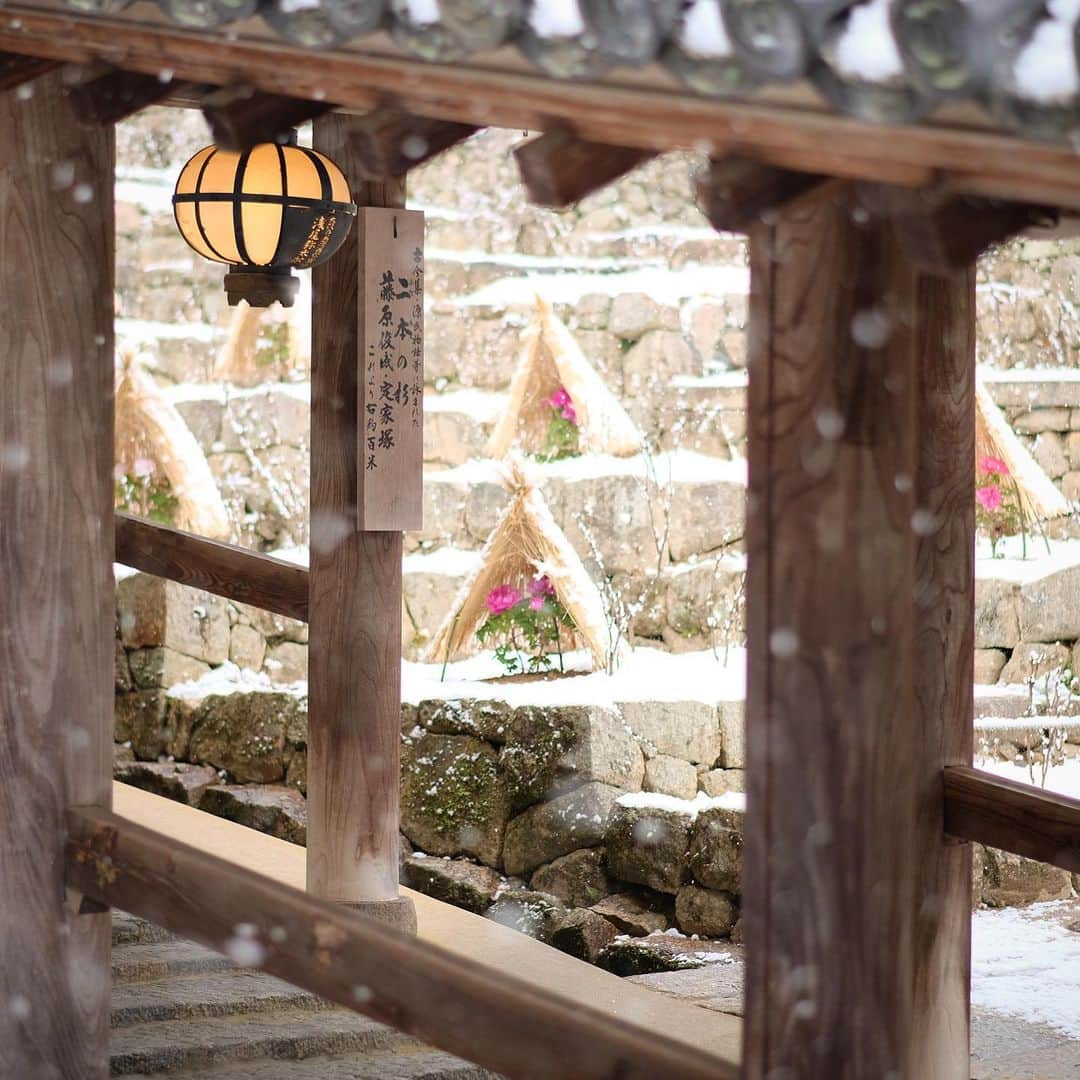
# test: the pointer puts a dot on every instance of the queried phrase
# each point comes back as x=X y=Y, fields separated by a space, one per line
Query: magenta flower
x=989 y=497
x=560 y=399
x=541 y=587
x=994 y=465
x=568 y=413
x=502 y=598
x=537 y=603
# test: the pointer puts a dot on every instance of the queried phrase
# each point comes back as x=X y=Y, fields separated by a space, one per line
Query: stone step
x=207 y=994
x=409 y=1062
x=140 y=963
x=131 y=930
x=200 y=1043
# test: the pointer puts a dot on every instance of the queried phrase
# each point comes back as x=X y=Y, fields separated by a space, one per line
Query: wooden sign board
x=390 y=457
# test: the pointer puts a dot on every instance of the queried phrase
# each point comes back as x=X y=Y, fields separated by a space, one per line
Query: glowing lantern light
x=263 y=212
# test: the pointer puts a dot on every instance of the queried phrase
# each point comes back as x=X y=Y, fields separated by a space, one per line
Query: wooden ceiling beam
x=16 y=69
x=107 y=95
x=559 y=168
x=734 y=193
x=241 y=117
x=390 y=141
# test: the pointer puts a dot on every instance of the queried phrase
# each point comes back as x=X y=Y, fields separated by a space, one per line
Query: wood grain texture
x=57 y=611
x=354 y=653
x=847 y=572
x=651 y=117
x=240 y=117
x=1016 y=817
x=389 y=141
x=505 y=1022
x=223 y=569
x=560 y=168
x=733 y=192
x=944 y=641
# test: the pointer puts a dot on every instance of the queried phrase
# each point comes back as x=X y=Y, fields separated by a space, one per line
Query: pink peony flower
x=537 y=603
x=502 y=598
x=559 y=399
x=568 y=413
x=989 y=497
x=541 y=587
x=994 y=466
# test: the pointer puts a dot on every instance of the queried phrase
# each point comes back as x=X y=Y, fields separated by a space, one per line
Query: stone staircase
x=181 y=1010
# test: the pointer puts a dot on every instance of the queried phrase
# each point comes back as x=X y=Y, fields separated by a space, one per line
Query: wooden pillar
x=57 y=613
x=860 y=623
x=354 y=674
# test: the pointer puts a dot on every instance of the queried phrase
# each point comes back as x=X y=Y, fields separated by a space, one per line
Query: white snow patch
x=1063 y=555
x=451 y=561
x=120 y=572
x=139 y=331
x=1024 y=963
x=652 y=800
x=480 y=405
x=230 y=679
x=1046 y=69
x=866 y=49
x=1061 y=779
x=556 y=18
x=423 y=12
x=224 y=392
x=703 y=32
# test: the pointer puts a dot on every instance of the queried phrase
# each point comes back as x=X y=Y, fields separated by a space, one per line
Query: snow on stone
x=866 y=49
x=652 y=800
x=663 y=284
x=1063 y=779
x=230 y=679
x=226 y=392
x=481 y=405
x=144 y=331
x=1025 y=964
x=120 y=572
x=703 y=32
x=556 y=18
x=645 y=675
x=423 y=12
x=1063 y=555
x=1046 y=69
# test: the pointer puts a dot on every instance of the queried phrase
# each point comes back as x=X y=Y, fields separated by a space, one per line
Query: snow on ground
x=451 y=561
x=230 y=679
x=1014 y=567
x=1025 y=963
x=146 y=332
x=652 y=800
x=225 y=392
x=646 y=675
x=481 y=405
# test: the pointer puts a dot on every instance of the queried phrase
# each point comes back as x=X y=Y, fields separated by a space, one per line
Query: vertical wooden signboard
x=390 y=457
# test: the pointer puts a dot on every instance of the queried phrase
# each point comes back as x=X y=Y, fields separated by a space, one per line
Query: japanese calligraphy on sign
x=391 y=389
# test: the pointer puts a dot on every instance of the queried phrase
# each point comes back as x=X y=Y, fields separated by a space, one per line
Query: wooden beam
x=354 y=649
x=734 y=193
x=642 y=113
x=1015 y=817
x=245 y=577
x=389 y=141
x=560 y=168
x=240 y=117
x=16 y=69
x=106 y=95
x=56 y=591
x=502 y=1021
x=846 y=738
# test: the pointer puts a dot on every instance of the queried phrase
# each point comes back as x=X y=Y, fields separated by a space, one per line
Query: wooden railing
x=501 y=1021
x=1016 y=817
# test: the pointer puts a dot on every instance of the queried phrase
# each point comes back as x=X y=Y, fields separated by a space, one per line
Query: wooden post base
x=399 y=913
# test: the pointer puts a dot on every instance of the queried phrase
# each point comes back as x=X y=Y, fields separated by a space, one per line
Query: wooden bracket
x=78 y=903
x=558 y=168
x=106 y=95
x=241 y=117
x=390 y=141
x=16 y=69
x=734 y=192
x=942 y=232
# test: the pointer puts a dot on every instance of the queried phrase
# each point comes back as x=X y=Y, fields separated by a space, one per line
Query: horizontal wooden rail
x=500 y=1021
x=244 y=576
x=790 y=132
x=1015 y=817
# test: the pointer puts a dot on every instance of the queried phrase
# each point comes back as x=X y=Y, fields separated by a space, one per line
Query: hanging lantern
x=263 y=212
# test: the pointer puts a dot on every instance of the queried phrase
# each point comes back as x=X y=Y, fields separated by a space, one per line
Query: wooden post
x=860 y=623
x=354 y=675
x=57 y=612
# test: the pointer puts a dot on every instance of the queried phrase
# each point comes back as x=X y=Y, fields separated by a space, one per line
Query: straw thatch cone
x=525 y=543
x=149 y=429
x=995 y=438
x=238 y=363
x=550 y=359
